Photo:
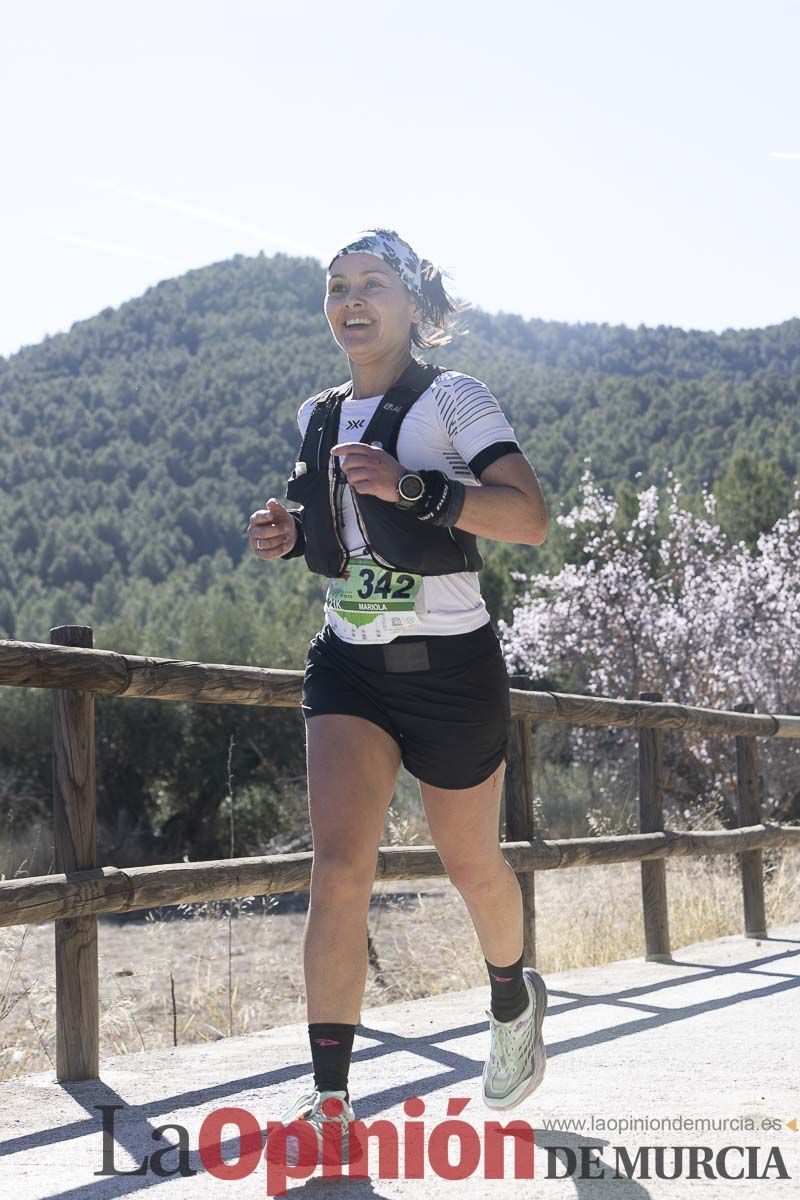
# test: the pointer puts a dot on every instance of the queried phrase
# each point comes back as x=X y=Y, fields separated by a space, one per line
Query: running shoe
x=308 y=1107
x=517 y=1057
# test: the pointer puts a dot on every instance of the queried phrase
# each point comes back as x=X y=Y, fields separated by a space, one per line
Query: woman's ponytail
x=436 y=327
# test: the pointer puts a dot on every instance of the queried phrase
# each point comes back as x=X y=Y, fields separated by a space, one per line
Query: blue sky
x=620 y=161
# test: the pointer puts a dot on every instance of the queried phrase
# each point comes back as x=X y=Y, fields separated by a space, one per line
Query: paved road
x=712 y=1036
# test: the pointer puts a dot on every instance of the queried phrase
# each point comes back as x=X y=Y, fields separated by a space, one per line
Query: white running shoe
x=308 y=1107
x=517 y=1058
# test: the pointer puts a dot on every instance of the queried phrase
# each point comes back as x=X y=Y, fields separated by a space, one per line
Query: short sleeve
x=304 y=415
x=473 y=420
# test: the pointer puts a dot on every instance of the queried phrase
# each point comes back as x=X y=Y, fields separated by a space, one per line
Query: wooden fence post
x=74 y=833
x=651 y=820
x=748 y=806
x=519 y=822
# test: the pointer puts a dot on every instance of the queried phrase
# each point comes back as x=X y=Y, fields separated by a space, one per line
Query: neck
x=375 y=379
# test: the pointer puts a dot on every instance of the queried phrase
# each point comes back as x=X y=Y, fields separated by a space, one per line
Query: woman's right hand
x=272 y=530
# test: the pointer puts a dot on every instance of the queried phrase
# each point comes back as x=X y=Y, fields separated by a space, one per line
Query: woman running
x=398 y=471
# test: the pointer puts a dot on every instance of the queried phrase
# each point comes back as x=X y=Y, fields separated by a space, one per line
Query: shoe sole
x=523 y=1089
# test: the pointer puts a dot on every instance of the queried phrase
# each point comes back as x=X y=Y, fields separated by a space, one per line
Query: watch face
x=411 y=487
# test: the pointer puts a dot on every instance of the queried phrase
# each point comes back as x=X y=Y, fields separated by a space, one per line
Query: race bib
x=372 y=603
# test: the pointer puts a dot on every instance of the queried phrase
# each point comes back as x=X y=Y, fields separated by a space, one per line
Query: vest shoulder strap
x=320 y=411
x=389 y=414
x=384 y=425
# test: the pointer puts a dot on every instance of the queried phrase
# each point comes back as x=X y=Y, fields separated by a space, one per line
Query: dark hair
x=436 y=327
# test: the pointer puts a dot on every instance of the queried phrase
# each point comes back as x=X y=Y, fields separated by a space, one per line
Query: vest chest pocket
x=301 y=487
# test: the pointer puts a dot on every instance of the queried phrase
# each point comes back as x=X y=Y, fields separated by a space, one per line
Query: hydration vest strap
x=310 y=450
x=384 y=426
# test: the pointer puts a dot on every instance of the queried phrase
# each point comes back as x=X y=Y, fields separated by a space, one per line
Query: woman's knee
x=469 y=875
x=342 y=873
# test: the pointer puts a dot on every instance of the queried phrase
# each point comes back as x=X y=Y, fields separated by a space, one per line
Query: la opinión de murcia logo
x=453 y=1149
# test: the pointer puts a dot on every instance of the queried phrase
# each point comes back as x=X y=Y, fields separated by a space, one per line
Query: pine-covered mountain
x=141 y=440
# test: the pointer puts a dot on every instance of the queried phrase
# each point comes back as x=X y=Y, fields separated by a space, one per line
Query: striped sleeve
x=473 y=420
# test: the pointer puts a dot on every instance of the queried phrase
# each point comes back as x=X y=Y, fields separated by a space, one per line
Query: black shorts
x=444 y=699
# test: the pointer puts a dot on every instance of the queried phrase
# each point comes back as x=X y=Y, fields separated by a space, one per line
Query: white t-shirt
x=456 y=426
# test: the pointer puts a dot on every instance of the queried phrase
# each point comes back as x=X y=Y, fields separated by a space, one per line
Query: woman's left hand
x=368 y=469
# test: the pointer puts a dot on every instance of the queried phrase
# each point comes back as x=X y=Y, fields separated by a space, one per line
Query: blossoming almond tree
x=670 y=605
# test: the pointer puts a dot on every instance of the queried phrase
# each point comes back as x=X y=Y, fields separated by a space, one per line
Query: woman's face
x=364 y=286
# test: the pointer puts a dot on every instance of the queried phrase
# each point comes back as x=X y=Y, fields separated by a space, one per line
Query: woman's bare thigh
x=352 y=774
x=465 y=825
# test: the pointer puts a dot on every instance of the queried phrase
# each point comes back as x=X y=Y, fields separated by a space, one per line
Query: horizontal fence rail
x=79 y=890
x=37 y=664
x=126 y=889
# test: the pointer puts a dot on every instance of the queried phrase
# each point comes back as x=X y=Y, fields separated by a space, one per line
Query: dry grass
x=235 y=968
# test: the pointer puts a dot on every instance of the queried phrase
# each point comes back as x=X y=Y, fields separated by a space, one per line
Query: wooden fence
x=79 y=889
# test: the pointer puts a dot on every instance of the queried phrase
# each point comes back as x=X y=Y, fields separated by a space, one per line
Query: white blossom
x=680 y=611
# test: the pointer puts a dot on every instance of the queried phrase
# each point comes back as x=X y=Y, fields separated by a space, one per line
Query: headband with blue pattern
x=388 y=245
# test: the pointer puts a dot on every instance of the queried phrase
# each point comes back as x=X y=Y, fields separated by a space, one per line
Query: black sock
x=331 y=1048
x=509 y=993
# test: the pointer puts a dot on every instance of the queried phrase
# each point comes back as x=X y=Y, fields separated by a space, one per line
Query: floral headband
x=386 y=244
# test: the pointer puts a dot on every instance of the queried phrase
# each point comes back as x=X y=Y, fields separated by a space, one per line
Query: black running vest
x=394 y=537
